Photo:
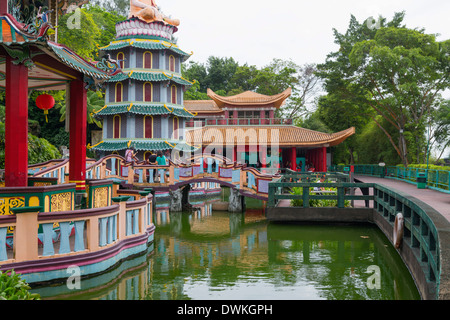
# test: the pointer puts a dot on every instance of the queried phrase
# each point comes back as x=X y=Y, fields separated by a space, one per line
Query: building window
x=176 y=125
x=119 y=91
x=148 y=92
x=116 y=126
x=148 y=60
x=121 y=59
x=173 y=91
x=172 y=63
x=148 y=127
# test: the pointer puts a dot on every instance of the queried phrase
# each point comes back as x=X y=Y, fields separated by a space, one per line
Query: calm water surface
x=218 y=255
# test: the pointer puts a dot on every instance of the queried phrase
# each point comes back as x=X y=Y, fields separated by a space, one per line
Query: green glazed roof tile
x=145 y=109
x=150 y=76
x=146 y=45
x=142 y=145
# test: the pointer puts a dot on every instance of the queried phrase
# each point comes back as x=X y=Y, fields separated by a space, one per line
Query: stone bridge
x=204 y=172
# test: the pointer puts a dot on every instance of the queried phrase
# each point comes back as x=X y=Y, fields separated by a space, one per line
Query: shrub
x=323 y=203
x=13 y=287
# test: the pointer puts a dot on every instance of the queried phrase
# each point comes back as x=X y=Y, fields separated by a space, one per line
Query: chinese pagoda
x=144 y=104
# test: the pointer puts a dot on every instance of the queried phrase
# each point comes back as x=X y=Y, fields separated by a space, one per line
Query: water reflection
x=217 y=255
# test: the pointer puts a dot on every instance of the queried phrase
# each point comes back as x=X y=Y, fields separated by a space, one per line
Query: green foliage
x=97 y=29
x=323 y=203
x=226 y=77
x=40 y=150
x=13 y=287
x=391 y=76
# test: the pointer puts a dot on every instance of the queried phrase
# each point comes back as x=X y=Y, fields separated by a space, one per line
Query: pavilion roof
x=250 y=98
x=145 y=108
x=27 y=47
x=109 y=145
x=267 y=135
x=202 y=106
x=147 y=44
x=154 y=75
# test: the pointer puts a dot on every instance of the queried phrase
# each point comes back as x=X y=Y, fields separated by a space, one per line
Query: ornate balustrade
x=238 y=121
x=436 y=179
x=45 y=243
x=426 y=233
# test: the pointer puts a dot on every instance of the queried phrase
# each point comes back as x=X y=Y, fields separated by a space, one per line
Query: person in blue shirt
x=161 y=159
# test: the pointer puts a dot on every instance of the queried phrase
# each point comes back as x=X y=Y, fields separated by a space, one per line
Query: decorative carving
x=7 y=203
x=100 y=198
x=107 y=64
x=22 y=55
x=61 y=202
x=40 y=25
x=148 y=11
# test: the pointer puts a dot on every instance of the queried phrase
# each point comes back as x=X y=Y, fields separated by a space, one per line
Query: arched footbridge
x=208 y=172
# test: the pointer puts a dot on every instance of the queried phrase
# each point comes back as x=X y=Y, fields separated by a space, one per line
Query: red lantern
x=45 y=102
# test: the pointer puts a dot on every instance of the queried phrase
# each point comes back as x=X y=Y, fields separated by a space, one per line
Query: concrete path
x=440 y=201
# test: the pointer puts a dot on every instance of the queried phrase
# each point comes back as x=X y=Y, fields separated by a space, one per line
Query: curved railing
x=436 y=179
x=116 y=168
x=426 y=232
x=33 y=240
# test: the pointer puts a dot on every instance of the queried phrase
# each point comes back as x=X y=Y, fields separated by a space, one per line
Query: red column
x=294 y=158
x=324 y=159
x=4 y=6
x=78 y=122
x=16 y=125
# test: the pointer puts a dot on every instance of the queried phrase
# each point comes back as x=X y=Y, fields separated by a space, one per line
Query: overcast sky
x=257 y=31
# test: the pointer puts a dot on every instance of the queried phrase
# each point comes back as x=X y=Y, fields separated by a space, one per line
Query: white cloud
x=256 y=31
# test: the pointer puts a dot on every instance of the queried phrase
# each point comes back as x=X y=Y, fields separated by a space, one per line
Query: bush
x=323 y=203
x=13 y=287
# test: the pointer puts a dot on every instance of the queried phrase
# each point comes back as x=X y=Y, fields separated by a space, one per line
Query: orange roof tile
x=250 y=98
x=201 y=106
x=248 y=135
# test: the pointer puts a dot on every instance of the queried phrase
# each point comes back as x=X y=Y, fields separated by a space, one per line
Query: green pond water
x=211 y=255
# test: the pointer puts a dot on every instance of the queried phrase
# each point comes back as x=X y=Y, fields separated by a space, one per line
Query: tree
x=404 y=71
x=393 y=75
x=94 y=102
x=97 y=29
x=439 y=126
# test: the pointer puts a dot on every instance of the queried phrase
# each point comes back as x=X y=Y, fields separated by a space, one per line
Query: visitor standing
x=130 y=154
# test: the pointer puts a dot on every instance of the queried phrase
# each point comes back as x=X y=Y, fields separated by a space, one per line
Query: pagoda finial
x=148 y=11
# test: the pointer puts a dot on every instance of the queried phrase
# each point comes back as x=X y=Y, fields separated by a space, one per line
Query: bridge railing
x=116 y=168
x=79 y=232
x=425 y=230
x=436 y=179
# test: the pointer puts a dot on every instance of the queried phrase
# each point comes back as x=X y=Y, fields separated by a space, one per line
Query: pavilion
x=30 y=61
x=244 y=127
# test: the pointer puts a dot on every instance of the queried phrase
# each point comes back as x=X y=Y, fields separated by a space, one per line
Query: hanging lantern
x=45 y=102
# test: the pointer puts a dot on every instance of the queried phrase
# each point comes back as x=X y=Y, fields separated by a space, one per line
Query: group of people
x=155 y=159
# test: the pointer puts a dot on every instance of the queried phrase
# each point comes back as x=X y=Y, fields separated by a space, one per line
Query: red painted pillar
x=16 y=125
x=78 y=122
x=294 y=158
x=4 y=6
x=324 y=159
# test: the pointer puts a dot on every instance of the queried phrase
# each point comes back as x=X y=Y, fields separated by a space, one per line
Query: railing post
x=26 y=233
x=305 y=197
x=171 y=175
x=271 y=197
x=340 y=197
x=122 y=216
x=130 y=174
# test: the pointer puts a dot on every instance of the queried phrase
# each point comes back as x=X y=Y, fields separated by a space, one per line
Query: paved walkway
x=440 y=201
